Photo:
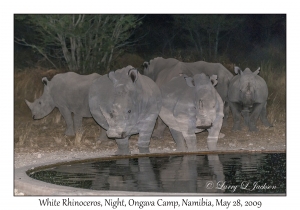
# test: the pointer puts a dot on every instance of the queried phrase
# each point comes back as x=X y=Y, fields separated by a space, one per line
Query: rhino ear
x=133 y=74
x=214 y=80
x=28 y=104
x=111 y=75
x=257 y=71
x=145 y=64
x=45 y=80
x=190 y=81
x=237 y=70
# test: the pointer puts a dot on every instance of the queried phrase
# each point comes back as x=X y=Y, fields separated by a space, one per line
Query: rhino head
x=247 y=85
x=42 y=106
x=123 y=114
x=205 y=99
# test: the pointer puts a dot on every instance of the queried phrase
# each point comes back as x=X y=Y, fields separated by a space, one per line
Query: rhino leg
x=214 y=132
x=103 y=136
x=179 y=140
x=191 y=141
x=123 y=146
x=77 y=122
x=263 y=116
x=226 y=113
x=65 y=112
x=236 y=112
x=158 y=132
x=145 y=131
x=254 y=117
x=245 y=114
x=144 y=140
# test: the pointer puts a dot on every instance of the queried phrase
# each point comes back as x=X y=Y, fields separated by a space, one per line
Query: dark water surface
x=217 y=173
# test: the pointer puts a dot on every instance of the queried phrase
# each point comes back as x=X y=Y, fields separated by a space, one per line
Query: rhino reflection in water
x=124 y=103
x=247 y=95
x=190 y=105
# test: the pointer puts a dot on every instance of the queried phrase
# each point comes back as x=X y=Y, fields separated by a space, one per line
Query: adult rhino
x=69 y=93
x=163 y=70
x=247 y=95
x=190 y=105
x=124 y=103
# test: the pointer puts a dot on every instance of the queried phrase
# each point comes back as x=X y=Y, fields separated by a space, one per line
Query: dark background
x=244 y=39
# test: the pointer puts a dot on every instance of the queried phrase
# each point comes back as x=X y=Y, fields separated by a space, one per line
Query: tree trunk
x=200 y=45
x=209 y=46
x=216 y=43
x=73 y=54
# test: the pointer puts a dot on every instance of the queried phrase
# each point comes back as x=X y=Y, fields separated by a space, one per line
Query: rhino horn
x=257 y=71
x=214 y=80
x=133 y=74
x=28 y=104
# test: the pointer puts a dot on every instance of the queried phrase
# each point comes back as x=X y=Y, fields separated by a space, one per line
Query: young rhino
x=190 y=105
x=124 y=103
x=247 y=95
x=69 y=93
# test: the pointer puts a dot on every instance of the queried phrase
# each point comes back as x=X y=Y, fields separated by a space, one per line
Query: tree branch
x=24 y=43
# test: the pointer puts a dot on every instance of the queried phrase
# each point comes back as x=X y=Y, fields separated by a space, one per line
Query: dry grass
x=128 y=59
x=275 y=77
x=24 y=136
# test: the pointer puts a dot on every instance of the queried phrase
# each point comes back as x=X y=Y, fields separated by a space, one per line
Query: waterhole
x=254 y=173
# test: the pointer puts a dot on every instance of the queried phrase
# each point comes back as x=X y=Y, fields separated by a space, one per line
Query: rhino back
x=163 y=70
x=169 y=73
x=159 y=64
x=224 y=76
x=210 y=69
x=71 y=90
x=177 y=103
x=149 y=96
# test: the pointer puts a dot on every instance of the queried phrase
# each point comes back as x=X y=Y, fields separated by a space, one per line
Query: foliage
x=86 y=42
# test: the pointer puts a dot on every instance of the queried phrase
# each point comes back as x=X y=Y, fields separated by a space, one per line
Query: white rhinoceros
x=247 y=95
x=124 y=103
x=69 y=93
x=190 y=105
x=163 y=70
